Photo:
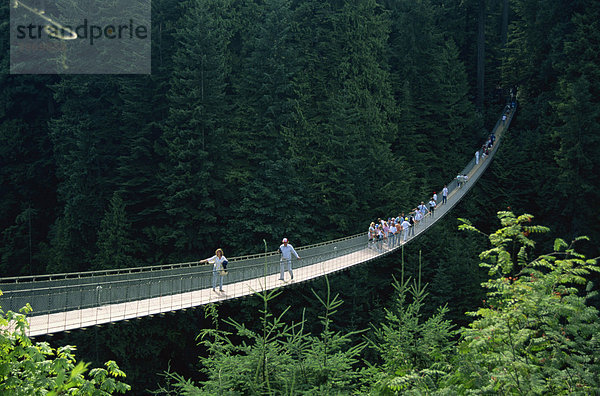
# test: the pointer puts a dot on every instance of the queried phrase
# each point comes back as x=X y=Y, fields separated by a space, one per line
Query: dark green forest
x=309 y=119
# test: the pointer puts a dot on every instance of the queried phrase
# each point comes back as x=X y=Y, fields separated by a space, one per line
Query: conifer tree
x=431 y=89
x=16 y=251
x=456 y=279
x=481 y=19
x=457 y=135
x=576 y=130
x=534 y=36
x=196 y=129
x=278 y=358
x=66 y=246
x=262 y=175
x=344 y=132
x=415 y=352
x=548 y=57
x=143 y=109
x=86 y=150
x=115 y=247
x=27 y=170
x=26 y=199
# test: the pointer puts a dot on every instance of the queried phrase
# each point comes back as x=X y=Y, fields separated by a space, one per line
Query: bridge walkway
x=63 y=302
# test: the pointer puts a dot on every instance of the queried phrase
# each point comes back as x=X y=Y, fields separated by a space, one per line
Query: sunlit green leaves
x=535 y=332
x=38 y=369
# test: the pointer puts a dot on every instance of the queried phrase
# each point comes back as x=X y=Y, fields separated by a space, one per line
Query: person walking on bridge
x=423 y=210
x=432 y=206
x=405 y=229
x=418 y=216
x=219 y=263
x=286 y=251
x=372 y=235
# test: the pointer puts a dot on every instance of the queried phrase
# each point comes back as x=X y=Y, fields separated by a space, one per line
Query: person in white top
x=423 y=210
x=286 y=251
x=445 y=194
x=477 y=157
x=372 y=234
x=405 y=228
x=432 y=206
x=219 y=263
x=418 y=217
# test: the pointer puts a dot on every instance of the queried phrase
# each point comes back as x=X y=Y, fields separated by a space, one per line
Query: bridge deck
x=70 y=319
x=56 y=322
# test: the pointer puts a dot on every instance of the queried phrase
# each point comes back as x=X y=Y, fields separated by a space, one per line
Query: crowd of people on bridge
x=395 y=231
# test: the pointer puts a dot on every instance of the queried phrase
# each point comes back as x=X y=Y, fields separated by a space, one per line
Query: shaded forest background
x=300 y=118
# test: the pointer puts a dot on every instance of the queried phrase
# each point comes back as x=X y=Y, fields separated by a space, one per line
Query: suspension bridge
x=63 y=302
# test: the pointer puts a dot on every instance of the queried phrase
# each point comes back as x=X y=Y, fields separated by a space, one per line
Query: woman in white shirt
x=219 y=263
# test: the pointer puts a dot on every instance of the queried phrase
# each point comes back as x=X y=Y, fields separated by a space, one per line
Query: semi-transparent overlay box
x=80 y=37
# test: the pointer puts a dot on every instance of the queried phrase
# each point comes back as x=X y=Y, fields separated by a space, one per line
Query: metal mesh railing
x=54 y=293
x=71 y=292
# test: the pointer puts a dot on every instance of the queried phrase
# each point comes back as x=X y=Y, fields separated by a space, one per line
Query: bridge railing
x=74 y=291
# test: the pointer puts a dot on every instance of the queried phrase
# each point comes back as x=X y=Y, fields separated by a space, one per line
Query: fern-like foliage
x=535 y=333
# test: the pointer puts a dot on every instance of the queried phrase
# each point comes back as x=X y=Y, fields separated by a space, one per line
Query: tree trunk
x=504 y=31
x=480 y=54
